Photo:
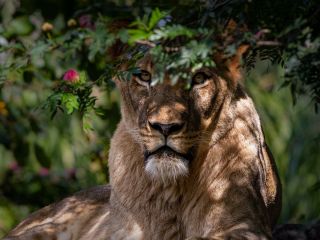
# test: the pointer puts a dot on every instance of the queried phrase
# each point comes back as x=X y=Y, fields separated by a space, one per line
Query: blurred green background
x=43 y=160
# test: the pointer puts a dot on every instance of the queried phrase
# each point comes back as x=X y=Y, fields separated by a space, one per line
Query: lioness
x=184 y=164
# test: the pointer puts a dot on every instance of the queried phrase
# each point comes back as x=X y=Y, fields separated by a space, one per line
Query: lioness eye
x=143 y=76
x=199 y=78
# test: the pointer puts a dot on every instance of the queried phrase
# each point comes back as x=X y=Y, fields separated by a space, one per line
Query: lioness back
x=83 y=215
x=77 y=209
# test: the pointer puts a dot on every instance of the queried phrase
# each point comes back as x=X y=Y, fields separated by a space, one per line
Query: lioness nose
x=166 y=129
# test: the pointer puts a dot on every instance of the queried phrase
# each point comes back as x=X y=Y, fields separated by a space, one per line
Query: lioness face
x=170 y=122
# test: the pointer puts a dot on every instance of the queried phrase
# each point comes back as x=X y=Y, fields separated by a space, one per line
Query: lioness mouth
x=166 y=164
x=167 y=152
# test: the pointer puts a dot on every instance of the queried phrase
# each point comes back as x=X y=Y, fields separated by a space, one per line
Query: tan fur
x=228 y=188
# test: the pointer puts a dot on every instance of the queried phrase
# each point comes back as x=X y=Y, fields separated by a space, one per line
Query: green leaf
x=123 y=35
x=39 y=49
x=87 y=123
x=101 y=41
x=8 y=8
x=137 y=34
x=19 y=26
x=156 y=16
x=83 y=77
x=70 y=102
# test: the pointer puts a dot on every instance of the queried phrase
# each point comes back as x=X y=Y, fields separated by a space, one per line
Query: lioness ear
x=234 y=64
x=231 y=67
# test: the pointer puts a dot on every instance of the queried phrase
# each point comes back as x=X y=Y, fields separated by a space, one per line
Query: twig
x=145 y=42
x=269 y=43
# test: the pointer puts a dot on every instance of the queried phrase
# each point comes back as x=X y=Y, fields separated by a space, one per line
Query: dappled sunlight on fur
x=183 y=164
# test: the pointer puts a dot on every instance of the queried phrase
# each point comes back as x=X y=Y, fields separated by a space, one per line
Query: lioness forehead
x=146 y=63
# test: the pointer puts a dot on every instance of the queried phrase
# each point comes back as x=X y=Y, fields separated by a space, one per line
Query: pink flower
x=71 y=76
x=43 y=172
x=14 y=166
x=85 y=21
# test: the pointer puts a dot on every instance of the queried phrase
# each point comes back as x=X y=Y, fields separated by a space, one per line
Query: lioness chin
x=184 y=164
